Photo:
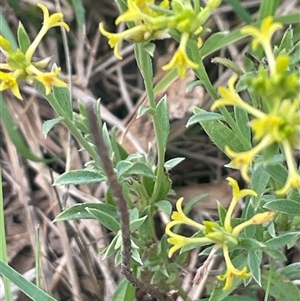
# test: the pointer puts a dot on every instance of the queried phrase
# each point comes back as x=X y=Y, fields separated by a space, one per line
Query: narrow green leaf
x=62 y=96
x=7 y=33
x=284 y=205
x=163 y=115
x=267 y=8
x=280 y=288
x=79 y=211
x=23 y=38
x=15 y=135
x=173 y=162
x=105 y=219
x=220 y=134
x=27 y=287
x=124 y=291
x=79 y=13
x=242 y=120
x=165 y=206
x=135 y=224
x=204 y=116
x=141 y=169
x=3 y=248
x=254 y=261
x=259 y=181
x=83 y=176
x=49 y=124
x=278 y=172
x=292 y=271
x=282 y=240
x=286 y=42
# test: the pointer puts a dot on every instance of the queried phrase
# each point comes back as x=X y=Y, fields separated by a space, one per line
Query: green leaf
x=106 y=138
x=173 y=162
x=259 y=181
x=136 y=223
x=254 y=261
x=105 y=219
x=79 y=13
x=242 y=120
x=220 y=134
x=79 y=211
x=282 y=240
x=15 y=135
x=136 y=256
x=141 y=169
x=284 y=205
x=287 y=43
x=267 y=8
x=204 y=116
x=165 y=187
x=124 y=291
x=292 y=271
x=280 y=288
x=83 y=176
x=62 y=96
x=165 y=206
x=163 y=116
x=7 y=33
x=278 y=172
x=49 y=124
x=27 y=287
x=23 y=39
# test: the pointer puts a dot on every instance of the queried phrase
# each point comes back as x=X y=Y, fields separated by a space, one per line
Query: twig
x=116 y=188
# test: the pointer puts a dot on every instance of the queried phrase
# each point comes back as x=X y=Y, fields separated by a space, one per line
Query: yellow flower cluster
x=213 y=233
x=153 y=21
x=19 y=64
x=278 y=122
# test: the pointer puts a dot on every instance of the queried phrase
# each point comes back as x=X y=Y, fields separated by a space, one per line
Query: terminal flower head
x=214 y=233
x=8 y=81
x=49 y=79
x=150 y=20
x=263 y=36
x=19 y=64
x=180 y=59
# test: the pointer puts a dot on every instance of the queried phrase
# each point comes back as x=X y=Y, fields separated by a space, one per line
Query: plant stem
x=203 y=76
x=144 y=62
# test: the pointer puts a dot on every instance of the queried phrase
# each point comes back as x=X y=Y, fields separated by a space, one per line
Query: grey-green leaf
x=49 y=124
x=79 y=211
x=285 y=206
x=82 y=176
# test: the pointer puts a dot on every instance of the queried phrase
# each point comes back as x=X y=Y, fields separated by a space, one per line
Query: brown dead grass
x=71 y=266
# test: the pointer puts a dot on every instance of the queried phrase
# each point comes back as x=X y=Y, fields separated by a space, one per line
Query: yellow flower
x=263 y=36
x=229 y=96
x=231 y=272
x=179 y=241
x=180 y=60
x=293 y=180
x=237 y=195
x=180 y=218
x=136 y=33
x=214 y=233
x=9 y=81
x=49 y=79
x=54 y=19
x=243 y=160
x=49 y=22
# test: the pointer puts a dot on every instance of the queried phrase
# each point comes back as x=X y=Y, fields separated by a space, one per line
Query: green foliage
x=271 y=208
